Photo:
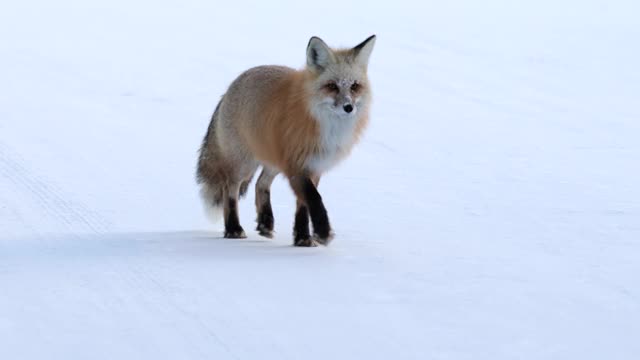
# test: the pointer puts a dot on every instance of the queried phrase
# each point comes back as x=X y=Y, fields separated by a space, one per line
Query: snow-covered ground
x=492 y=210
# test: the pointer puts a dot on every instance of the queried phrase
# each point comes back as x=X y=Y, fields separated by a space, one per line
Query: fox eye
x=355 y=87
x=332 y=87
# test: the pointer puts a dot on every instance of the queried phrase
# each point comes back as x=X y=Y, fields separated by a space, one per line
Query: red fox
x=296 y=122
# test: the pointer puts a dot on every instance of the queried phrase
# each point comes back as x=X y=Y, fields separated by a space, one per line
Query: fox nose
x=348 y=108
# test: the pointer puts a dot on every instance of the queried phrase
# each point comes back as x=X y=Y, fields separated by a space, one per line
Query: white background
x=492 y=210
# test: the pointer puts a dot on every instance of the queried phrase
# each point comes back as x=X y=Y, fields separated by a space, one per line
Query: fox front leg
x=309 y=197
x=301 y=234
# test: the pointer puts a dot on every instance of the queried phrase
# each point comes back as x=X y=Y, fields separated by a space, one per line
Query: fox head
x=340 y=85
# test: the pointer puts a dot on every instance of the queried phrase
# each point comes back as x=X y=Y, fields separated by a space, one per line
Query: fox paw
x=323 y=240
x=305 y=242
x=265 y=223
x=235 y=234
x=265 y=231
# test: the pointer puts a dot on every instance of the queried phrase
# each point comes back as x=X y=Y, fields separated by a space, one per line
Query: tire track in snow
x=129 y=282
x=72 y=216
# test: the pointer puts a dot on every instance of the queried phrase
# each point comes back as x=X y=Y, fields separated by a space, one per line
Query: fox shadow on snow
x=178 y=244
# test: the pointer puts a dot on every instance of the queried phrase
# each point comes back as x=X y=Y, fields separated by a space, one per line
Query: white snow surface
x=491 y=211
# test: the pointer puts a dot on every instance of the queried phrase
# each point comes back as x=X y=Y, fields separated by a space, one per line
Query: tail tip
x=213 y=213
x=212 y=209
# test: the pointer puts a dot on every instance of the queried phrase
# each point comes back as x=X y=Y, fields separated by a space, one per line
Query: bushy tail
x=210 y=174
x=212 y=206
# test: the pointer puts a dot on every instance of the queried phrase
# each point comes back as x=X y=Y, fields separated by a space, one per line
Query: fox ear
x=319 y=55
x=362 y=52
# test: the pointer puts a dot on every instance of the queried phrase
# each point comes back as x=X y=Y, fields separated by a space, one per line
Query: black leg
x=304 y=188
x=232 y=228
x=263 y=202
x=265 y=215
x=301 y=235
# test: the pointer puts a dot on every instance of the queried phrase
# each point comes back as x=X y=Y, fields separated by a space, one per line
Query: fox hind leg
x=244 y=186
x=263 y=202
x=232 y=228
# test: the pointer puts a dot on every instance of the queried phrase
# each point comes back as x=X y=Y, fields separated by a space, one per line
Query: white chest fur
x=336 y=139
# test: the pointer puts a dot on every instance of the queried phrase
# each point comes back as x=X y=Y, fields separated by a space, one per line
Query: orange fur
x=289 y=134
